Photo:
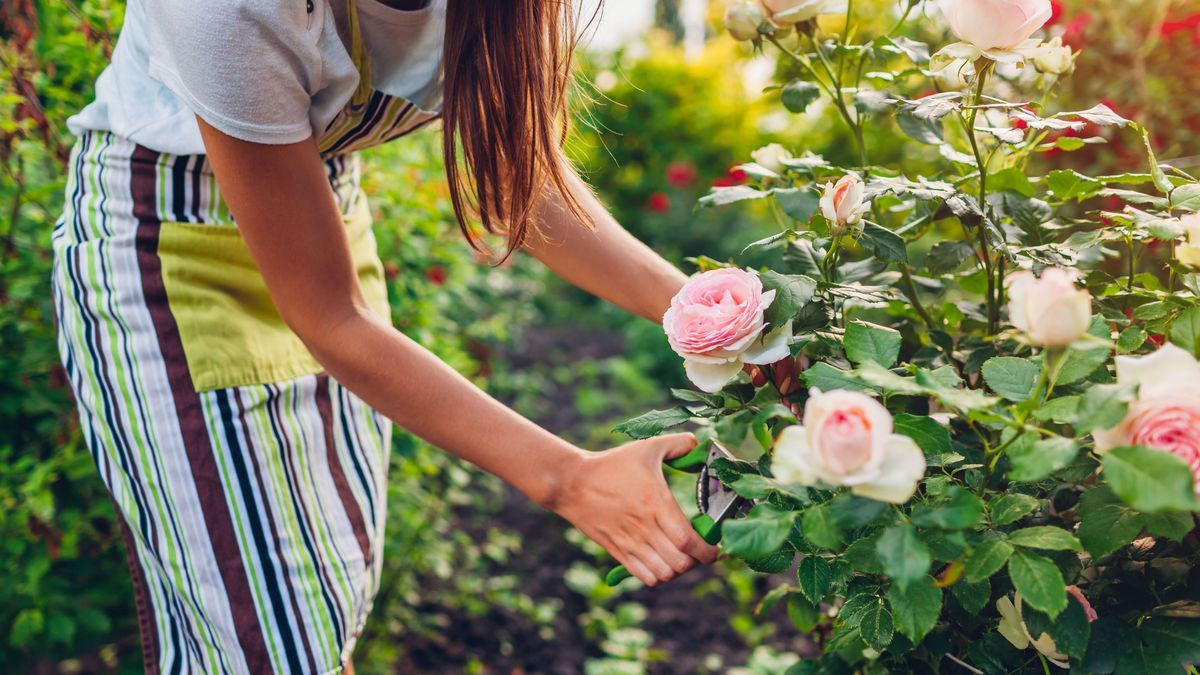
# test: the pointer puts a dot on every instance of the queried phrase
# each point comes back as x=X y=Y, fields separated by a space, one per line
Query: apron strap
x=358 y=54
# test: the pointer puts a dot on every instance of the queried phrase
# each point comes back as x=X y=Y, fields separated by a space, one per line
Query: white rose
x=846 y=440
x=1051 y=310
x=1188 y=252
x=842 y=203
x=996 y=24
x=771 y=157
x=742 y=20
x=785 y=12
x=1054 y=57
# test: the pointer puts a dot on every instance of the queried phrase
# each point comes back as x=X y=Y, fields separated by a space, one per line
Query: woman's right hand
x=619 y=498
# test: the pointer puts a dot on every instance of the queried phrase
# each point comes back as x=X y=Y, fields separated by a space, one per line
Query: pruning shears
x=715 y=501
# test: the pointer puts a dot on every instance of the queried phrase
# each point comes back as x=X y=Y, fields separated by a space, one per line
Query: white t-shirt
x=265 y=71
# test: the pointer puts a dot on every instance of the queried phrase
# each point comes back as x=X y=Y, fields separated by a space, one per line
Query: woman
x=237 y=384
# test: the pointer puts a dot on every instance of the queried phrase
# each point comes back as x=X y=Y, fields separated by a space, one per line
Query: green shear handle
x=708 y=529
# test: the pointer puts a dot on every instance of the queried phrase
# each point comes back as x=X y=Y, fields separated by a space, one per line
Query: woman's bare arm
x=286 y=212
x=606 y=261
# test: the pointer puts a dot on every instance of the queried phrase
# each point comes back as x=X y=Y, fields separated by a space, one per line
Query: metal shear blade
x=712 y=496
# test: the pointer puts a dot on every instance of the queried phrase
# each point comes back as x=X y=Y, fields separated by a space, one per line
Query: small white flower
x=771 y=157
x=842 y=202
x=1051 y=310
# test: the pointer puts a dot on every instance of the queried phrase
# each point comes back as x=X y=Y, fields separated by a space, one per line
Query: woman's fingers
x=683 y=537
x=673 y=445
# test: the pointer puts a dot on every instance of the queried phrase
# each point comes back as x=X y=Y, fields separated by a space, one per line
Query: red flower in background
x=681 y=174
x=1075 y=31
x=732 y=177
x=659 y=202
x=1188 y=24
x=436 y=274
x=1056 y=12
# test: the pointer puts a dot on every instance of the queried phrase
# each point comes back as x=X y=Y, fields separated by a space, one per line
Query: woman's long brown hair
x=507 y=80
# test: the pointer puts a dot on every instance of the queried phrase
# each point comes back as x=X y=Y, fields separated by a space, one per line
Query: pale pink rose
x=716 y=324
x=1088 y=610
x=1188 y=252
x=786 y=12
x=847 y=440
x=1166 y=414
x=1051 y=310
x=842 y=203
x=996 y=24
x=742 y=20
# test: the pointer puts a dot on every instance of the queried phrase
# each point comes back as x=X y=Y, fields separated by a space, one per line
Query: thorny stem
x=911 y=291
x=993 y=308
x=855 y=127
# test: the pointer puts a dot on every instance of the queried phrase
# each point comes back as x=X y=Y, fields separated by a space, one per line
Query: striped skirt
x=252 y=505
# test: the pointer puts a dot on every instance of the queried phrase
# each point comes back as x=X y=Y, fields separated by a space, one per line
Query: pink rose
x=842 y=203
x=1166 y=414
x=847 y=440
x=716 y=324
x=996 y=24
x=1051 y=310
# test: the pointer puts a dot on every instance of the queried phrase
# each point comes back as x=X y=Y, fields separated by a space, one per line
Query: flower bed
x=967 y=403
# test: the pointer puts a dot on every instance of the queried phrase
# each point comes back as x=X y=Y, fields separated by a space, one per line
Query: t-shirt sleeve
x=246 y=67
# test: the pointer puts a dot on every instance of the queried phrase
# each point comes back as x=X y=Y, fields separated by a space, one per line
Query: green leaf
x=827 y=378
x=1012 y=507
x=1039 y=581
x=815 y=577
x=752 y=486
x=804 y=614
x=1150 y=480
x=867 y=342
x=930 y=435
x=759 y=534
x=1103 y=407
x=1071 y=631
x=947 y=256
x=922 y=129
x=972 y=596
x=721 y=196
x=1177 y=639
x=653 y=423
x=1046 y=537
x=792 y=293
x=1131 y=339
x=1107 y=527
x=850 y=511
x=1171 y=525
x=905 y=558
x=1185 y=331
x=1035 y=458
x=1011 y=377
x=958 y=509
x=885 y=244
x=1061 y=410
x=819 y=527
x=799 y=203
x=1068 y=185
x=915 y=608
x=774 y=563
x=876 y=626
x=797 y=95
x=987 y=559
x=1186 y=197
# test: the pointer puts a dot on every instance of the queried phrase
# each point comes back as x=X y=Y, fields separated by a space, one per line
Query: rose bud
x=1189 y=252
x=1166 y=414
x=996 y=24
x=787 y=376
x=846 y=440
x=757 y=377
x=1051 y=310
x=1054 y=58
x=742 y=20
x=842 y=203
x=771 y=157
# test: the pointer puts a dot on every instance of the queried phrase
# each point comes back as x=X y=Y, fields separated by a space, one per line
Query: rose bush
x=975 y=437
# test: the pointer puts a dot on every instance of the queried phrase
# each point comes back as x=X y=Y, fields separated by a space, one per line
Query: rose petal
x=711 y=377
x=771 y=347
x=791 y=462
x=902 y=469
